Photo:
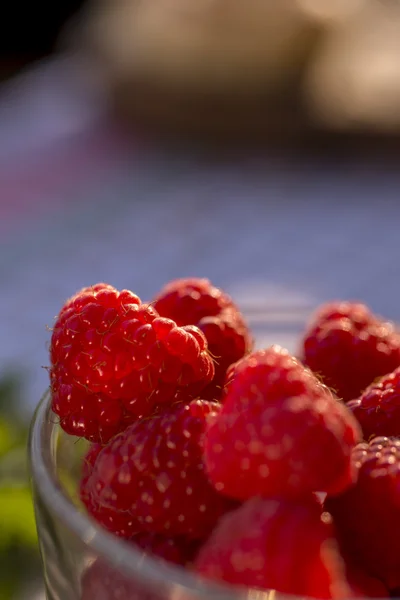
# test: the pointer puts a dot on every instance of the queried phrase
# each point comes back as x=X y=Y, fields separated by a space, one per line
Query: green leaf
x=10 y=396
x=7 y=437
x=18 y=521
x=19 y=567
x=19 y=556
x=14 y=467
x=8 y=586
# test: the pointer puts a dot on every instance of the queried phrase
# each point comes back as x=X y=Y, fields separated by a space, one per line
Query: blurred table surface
x=79 y=203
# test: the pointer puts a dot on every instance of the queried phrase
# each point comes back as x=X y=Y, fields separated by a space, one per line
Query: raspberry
x=349 y=347
x=89 y=460
x=95 y=417
x=228 y=341
x=187 y=301
x=286 y=375
x=378 y=408
x=279 y=432
x=262 y=545
x=101 y=582
x=153 y=475
x=367 y=514
x=122 y=525
x=178 y=550
x=198 y=302
x=114 y=360
x=362 y=585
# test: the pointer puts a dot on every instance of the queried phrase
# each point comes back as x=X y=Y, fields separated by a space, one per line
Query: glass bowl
x=82 y=561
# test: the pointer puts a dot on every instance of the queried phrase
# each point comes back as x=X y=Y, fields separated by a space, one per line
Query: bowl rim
x=123 y=557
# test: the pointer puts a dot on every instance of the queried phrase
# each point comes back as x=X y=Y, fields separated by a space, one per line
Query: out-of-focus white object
x=354 y=80
x=330 y=11
x=204 y=45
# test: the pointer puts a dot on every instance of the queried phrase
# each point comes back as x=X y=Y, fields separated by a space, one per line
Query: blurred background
x=255 y=143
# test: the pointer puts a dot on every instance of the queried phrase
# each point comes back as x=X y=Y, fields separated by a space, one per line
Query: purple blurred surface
x=79 y=205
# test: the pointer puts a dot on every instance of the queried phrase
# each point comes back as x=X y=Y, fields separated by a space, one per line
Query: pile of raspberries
x=251 y=468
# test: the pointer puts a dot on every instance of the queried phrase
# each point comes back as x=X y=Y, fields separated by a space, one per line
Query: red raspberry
x=101 y=582
x=349 y=347
x=114 y=359
x=88 y=461
x=198 y=302
x=153 y=473
x=378 y=408
x=279 y=432
x=84 y=298
x=276 y=545
x=228 y=341
x=286 y=375
x=122 y=525
x=177 y=550
x=362 y=585
x=367 y=514
x=187 y=301
x=95 y=417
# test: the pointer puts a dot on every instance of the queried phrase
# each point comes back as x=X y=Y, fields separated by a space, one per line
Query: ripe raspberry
x=279 y=432
x=114 y=359
x=286 y=375
x=378 y=408
x=198 y=302
x=349 y=347
x=367 y=514
x=228 y=341
x=262 y=545
x=362 y=585
x=88 y=461
x=95 y=417
x=101 y=582
x=177 y=550
x=187 y=301
x=122 y=525
x=153 y=473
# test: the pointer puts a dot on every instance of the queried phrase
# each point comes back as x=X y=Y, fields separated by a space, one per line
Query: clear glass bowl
x=81 y=561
